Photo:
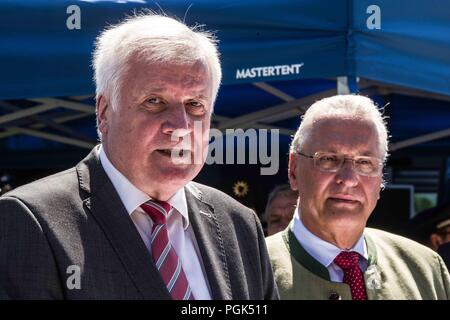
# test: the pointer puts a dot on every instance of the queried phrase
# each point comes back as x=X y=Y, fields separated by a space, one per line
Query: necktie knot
x=347 y=259
x=157 y=210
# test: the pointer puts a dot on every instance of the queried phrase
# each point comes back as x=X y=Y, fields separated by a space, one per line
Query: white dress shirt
x=180 y=232
x=325 y=252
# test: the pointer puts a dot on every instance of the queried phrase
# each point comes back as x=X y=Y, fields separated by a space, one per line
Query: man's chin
x=176 y=175
x=347 y=219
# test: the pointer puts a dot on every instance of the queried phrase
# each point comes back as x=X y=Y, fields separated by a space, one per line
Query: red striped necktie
x=348 y=261
x=164 y=255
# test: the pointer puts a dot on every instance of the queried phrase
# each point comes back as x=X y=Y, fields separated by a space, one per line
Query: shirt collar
x=132 y=198
x=321 y=250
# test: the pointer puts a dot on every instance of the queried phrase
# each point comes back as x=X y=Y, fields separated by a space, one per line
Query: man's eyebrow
x=367 y=154
x=161 y=90
x=201 y=97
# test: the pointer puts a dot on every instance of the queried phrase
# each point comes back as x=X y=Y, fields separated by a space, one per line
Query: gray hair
x=342 y=107
x=154 y=38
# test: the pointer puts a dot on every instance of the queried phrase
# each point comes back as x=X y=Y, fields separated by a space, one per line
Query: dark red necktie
x=164 y=255
x=348 y=262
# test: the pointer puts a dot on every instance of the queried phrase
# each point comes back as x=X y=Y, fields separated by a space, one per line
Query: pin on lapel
x=206 y=214
x=373 y=276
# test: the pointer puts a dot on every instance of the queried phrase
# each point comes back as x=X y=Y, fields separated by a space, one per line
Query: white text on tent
x=269 y=71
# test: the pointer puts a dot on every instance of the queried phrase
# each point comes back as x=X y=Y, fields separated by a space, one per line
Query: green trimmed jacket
x=398 y=268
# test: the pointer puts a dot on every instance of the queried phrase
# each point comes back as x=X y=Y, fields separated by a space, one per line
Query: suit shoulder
x=50 y=187
x=399 y=244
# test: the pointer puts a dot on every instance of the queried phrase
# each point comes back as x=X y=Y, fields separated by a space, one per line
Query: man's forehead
x=345 y=122
x=158 y=77
x=361 y=149
x=339 y=135
x=199 y=68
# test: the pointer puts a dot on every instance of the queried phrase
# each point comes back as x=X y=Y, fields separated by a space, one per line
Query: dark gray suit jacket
x=76 y=218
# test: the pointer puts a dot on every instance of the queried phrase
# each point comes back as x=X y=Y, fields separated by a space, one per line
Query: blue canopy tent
x=38 y=42
x=278 y=58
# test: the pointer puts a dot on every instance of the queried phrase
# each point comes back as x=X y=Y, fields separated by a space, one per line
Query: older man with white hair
x=336 y=164
x=127 y=222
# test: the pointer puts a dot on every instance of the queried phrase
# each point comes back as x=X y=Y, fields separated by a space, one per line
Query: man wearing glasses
x=336 y=164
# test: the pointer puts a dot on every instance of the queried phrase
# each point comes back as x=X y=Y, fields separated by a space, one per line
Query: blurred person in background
x=432 y=228
x=5 y=183
x=280 y=208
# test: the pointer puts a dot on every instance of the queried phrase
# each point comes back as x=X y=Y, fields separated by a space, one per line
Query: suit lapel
x=209 y=239
x=107 y=208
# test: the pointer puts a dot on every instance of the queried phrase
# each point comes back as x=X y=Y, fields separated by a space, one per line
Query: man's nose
x=346 y=174
x=178 y=123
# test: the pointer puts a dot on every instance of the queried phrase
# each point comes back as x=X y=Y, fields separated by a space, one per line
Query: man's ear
x=102 y=114
x=292 y=171
x=435 y=241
